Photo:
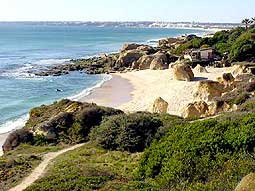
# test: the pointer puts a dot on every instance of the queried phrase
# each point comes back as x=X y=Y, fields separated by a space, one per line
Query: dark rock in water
x=16 y=138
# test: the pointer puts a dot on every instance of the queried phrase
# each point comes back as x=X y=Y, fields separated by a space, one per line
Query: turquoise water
x=25 y=48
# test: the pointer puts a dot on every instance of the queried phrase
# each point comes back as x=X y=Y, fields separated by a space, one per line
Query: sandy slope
x=149 y=85
x=40 y=170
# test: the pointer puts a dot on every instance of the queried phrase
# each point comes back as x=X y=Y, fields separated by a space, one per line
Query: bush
x=243 y=48
x=204 y=155
x=131 y=133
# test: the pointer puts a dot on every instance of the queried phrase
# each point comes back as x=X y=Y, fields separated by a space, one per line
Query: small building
x=204 y=54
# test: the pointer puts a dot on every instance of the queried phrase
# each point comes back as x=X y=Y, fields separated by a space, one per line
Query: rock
x=247 y=183
x=160 y=106
x=196 y=110
x=244 y=68
x=227 y=79
x=143 y=63
x=51 y=128
x=159 y=62
x=127 y=58
x=238 y=69
x=183 y=72
x=147 y=49
x=16 y=138
x=200 y=69
x=207 y=90
x=127 y=47
x=250 y=87
x=139 y=47
x=218 y=107
x=167 y=43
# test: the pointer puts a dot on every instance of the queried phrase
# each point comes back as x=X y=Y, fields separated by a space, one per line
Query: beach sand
x=151 y=84
x=112 y=93
x=2 y=140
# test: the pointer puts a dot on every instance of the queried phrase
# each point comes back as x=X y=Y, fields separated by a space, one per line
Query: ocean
x=26 y=48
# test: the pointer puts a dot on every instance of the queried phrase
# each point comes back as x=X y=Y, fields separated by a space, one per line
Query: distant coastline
x=138 y=24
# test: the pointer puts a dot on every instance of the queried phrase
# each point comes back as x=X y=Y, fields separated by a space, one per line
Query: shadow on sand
x=199 y=79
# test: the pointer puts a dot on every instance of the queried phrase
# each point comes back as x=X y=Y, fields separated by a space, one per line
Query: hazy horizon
x=127 y=11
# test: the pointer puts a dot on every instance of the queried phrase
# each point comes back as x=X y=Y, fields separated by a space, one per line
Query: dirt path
x=40 y=170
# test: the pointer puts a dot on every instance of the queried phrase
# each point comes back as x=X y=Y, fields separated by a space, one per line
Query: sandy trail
x=40 y=170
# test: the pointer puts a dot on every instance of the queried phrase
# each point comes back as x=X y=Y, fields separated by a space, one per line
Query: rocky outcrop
x=207 y=90
x=139 y=47
x=51 y=127
x=127 y=47
x=16 y=138
x=64 y=121
x=159 y=62
x=143 y=63
x=218 y=107
x=160 y=106
x=244 y=68
x=183 y=72
x=196 y=110
x=167 y=43
x=200 y=69
x=127 y=58
x=227 y=79
x=247 y=183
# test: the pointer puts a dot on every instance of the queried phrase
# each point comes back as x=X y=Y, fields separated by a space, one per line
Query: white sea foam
x=27 y=70
x=13 y=124
x=88 y=91
x=46 y=62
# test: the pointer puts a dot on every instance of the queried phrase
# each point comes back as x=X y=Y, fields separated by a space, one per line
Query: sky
x=127 y=10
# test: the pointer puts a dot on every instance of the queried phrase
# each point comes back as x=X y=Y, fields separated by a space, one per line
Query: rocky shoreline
x=130 y=57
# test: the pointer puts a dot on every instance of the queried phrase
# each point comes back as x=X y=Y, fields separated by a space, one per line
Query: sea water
x=26 y=48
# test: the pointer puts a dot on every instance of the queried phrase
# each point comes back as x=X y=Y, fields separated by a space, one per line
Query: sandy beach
x=151 y=84
x=112 y=93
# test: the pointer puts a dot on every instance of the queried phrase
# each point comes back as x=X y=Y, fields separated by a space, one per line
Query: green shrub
x=204 y=155
x=131 y=133
x=243 y=48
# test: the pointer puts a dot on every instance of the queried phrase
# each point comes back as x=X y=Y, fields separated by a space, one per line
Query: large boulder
x=207 y=90
x=159 y=62
x=227 y=79
x=183 y=72
x=139 y=47
x=127 y=47
x=200 y=69
x=218 y=107
x=160 y=106
x=167 y=43
x=196 y=110
x=16 y=138
x=146 y=49
x=128 y=57
x=143 y=63
x=247 y=183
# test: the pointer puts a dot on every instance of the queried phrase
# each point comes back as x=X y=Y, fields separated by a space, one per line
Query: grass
x=89 y=168
x=17 y=164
